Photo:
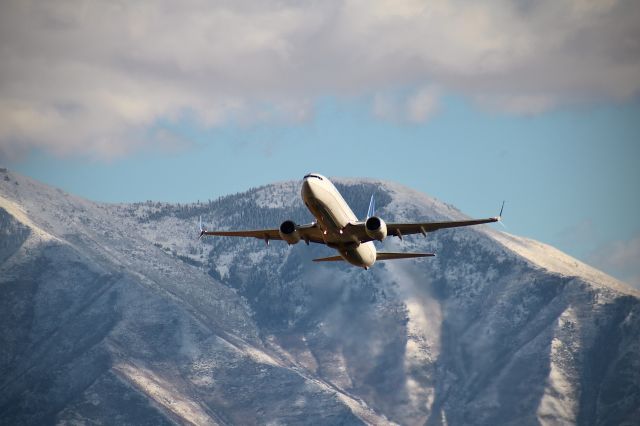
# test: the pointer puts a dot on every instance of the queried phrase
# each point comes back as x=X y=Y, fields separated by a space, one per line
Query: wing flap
x=381 y=255
x=271 y=234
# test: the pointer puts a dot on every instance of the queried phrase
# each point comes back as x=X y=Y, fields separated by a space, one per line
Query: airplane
x=337 y=227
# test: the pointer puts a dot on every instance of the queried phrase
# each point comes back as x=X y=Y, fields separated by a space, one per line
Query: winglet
x=202 y=230
x=372 y=206
x=500 y=216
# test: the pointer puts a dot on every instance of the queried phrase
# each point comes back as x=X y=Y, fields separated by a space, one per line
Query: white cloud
x=86 y=76
x=422 y=105
x=416 y=106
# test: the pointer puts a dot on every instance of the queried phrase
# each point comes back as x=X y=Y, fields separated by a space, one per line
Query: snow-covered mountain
x=116 y=314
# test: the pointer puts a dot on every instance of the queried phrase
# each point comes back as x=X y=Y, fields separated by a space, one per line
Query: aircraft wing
x=402 y=229
x=269 y=234
x=381 y=255
x=311 y=233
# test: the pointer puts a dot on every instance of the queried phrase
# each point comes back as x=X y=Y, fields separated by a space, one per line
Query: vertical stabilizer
x=372 y=206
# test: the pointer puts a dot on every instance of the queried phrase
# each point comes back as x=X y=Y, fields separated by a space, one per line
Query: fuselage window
x=312 y=175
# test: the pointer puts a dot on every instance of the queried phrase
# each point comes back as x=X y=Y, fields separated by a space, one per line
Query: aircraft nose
x=308 y=188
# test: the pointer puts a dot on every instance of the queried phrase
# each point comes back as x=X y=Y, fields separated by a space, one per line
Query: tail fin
x=372 y=206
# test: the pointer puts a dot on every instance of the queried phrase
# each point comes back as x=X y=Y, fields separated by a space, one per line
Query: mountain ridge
x=230 y=327
x=445 y=211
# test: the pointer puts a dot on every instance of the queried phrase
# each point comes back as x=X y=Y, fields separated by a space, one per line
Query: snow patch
x=554 y=260
x=560 y=399
x=164 y=393
x=18 y=213
x=259 y=356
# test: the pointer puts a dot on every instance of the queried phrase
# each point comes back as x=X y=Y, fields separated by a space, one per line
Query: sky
x=533 y=102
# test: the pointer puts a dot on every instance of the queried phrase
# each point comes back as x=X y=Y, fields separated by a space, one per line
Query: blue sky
x=180 y=103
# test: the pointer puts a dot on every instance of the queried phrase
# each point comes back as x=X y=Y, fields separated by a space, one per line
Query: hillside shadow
x=496 y=356
x=610 y=379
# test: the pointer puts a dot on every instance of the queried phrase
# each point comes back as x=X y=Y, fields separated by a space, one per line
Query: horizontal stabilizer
x=329 y=259
x=390 y=256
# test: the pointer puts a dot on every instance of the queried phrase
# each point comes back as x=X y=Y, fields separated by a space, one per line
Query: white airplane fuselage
x=333 y=214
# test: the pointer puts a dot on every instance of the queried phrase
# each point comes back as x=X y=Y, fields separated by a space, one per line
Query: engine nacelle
x=289 y=232
x=376 y=228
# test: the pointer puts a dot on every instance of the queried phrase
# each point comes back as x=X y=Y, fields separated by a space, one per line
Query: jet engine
x=376 y=228
x=289 y=232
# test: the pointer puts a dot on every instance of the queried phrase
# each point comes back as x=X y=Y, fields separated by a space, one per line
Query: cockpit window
x=312 y=175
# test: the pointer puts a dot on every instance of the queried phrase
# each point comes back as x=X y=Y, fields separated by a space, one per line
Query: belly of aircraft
x=364 y=255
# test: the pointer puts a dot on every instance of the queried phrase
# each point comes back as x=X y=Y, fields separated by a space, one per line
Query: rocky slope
x=117 y=314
